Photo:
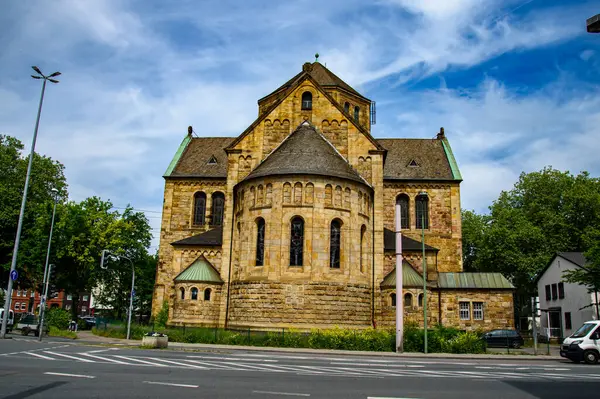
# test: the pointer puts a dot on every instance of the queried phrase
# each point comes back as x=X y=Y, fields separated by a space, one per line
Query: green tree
x=46 y=174
x=473 y=229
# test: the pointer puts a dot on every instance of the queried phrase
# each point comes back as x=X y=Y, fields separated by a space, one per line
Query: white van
x=583 y=344
x=11 y=319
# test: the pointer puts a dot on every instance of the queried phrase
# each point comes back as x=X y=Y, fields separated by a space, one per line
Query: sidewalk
x=498 y=353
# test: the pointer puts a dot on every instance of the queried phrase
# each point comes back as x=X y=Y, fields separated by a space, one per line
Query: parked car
x=90 y=322
x=10 y=321
x=504 y=338
x=583 y=344
x=30 y=323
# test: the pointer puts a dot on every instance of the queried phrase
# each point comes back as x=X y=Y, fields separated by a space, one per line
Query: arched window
x=338 y=196
x=309 y=193
x=252 y=197
x=360 y=202
x=207 y=294
x=402 y=200
x=260 y=195
x=298 y=193
x=422 y=211
x=260 y=242
x=347 y=193
x=334 y=244
x=182 y=292
x=194 y=292
x=328 y=195
x=296 y=241
x=287 y=193
x=347 y=107
x=420 y=300
x=199 y=208
x=218 y=206
x=363 y=244
x=307 y=100
x=356 y=113
x=393 y=299
x=407 y=300
x=269 y=195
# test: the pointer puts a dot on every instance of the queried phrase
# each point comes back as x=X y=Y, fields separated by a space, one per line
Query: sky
x=514 y=83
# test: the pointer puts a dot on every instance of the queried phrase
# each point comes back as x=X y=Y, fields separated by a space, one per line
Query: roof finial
x=441 y=134
x=190 y=130
x=317 y=57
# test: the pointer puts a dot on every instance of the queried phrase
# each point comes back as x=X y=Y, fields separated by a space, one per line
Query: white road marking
x=261 y=368
x=177 y=363
x=233 y=358
x=171 y=384
x=282 y=393
x=69 y=357
x=141 y=361
x=70 y=375
x=216 y=365
x=377 y=365
x=104 y=358
x=104 y=350
x=40 y=356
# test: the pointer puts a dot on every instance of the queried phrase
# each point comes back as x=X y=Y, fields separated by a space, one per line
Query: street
x=59 y=368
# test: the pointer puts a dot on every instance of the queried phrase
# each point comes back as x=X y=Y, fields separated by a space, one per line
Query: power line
x=137 y=210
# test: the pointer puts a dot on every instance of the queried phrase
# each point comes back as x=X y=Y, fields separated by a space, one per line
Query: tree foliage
x=46 y=174
x=546 y=212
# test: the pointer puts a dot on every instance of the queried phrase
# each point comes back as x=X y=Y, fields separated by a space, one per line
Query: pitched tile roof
x=200 y=271
x=410 y=277
x=194 y=160
x=408 y=244
x=429 y=154
x=306 y=151
x=209 y=238
x=474 y=281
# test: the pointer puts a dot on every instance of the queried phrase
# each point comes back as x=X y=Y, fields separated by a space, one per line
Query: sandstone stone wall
x=196 y=312
x=498 y=312
x=413 y=313
x=444 y=230
x=300 y=305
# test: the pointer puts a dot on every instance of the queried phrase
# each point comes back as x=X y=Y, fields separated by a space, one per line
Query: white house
x=564 y=306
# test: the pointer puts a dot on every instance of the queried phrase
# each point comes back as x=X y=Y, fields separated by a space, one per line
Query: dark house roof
x=321 y=75
x=209 y=238
x=577 y=258
x=305 y=151
x=194 y=160
x=429 y=154
x=408 y=244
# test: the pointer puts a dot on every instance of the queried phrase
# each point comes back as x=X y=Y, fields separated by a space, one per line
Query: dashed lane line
x=171 y=384
x=281 y=393
x=69 y=375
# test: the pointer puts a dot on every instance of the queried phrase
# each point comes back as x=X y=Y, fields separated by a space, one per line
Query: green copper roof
x=474 y=281
x=180 y=150
x=200 y=271
x=451 y=159
x=410 y=277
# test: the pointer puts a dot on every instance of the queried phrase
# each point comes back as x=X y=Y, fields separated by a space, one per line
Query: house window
x=402 y=200
x=561 y=290
x=218 y=206
x=422 y=212
x=347 y=107
x=356 y=113
x=84 y=308
x=393 y=299
x=477 y=310
x=17 y=305
x=24 y=292
x=296 y=241
x=568 y=324
x=85 y=298
x=199 y=208
x=554 y=292
x=194 y=292
x=420 y=300
x=260 y=242
x=182 y=292
x=307 y=100
x=207 y=294
x=407 y=300
x=69 y=297
x=334 y=244
x=464 y=311
x=548 y=295
x=18 y=292
x=32 y=293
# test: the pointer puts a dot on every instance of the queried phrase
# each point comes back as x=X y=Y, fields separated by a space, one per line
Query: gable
x=200 y=271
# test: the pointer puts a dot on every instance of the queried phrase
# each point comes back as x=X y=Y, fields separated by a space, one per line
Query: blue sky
x=515 y=84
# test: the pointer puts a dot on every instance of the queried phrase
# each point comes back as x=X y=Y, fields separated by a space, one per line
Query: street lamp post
x=422 y=198
x=104 y=252
x=46 y=273
x=13 y=264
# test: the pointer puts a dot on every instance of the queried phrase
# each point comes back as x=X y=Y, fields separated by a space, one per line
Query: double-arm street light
x=131 y=293
x=46 y=271
x=13 y=264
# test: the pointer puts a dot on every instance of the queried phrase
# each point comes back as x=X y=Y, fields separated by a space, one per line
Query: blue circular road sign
x=14 y=275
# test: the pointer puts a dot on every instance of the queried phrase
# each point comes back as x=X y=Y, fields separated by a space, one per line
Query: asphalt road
x=62 y=369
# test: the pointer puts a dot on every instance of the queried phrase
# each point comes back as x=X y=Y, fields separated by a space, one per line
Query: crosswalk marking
x=106 y=359
x=177 y=363
x=69 y=357
x=38 y=355
x=131 y=359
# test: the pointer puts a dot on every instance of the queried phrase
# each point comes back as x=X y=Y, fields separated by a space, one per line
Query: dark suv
x=503 y=338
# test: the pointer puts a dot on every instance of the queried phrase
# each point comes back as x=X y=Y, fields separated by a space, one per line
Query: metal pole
x=424 y=277
x=597 y=305
x=130 y=298
x=46 y=275
x=13 y=264
x=399 y=283
x=533 y=315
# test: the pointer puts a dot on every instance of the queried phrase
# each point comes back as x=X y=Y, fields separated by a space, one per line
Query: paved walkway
x=496 y=353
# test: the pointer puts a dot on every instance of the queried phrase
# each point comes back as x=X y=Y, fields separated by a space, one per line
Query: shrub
x=465 y=342
x=55 y=332
x=163 y=315
x=58 y=318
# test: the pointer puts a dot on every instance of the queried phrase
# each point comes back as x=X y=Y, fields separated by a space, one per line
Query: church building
x=291 y=223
